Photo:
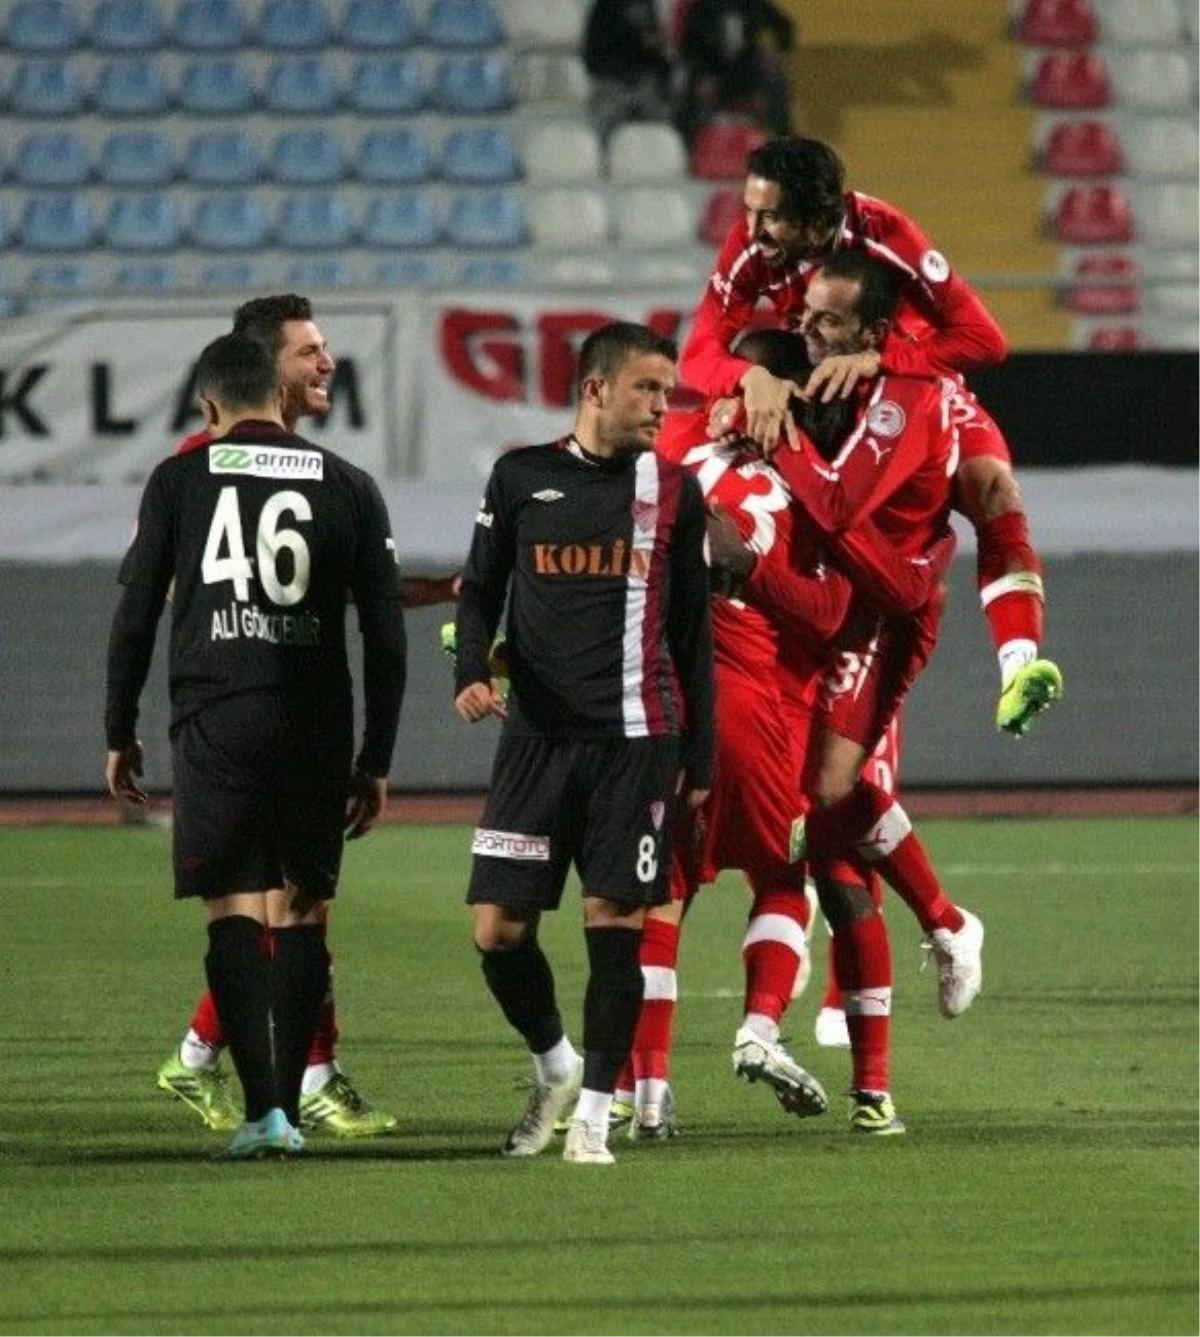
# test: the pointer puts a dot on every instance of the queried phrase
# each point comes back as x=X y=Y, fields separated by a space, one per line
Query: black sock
x=522 y=983
x=299 y=982
x=612 y=1003
x=237 y=970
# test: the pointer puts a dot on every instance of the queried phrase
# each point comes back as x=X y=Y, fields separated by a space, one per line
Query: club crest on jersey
x=266 y=462
x=934 y=266
x=645 y=514
x=548 y=494
x=658 y=810
x=885 y=418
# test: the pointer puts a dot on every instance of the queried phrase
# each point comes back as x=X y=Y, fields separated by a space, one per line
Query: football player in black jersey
x=261 y=534
x=595 y=543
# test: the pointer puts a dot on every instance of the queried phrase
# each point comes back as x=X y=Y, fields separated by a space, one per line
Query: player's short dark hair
x=236 y=372
x=880 y=285
x=263 y=318
x=809 y=174
x=780 y=351
x=606 y=350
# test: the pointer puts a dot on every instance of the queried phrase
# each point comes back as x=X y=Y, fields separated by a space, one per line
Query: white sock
x=557 y=1064
x=196 y=1053
x=315 y=1077
x=594 y=1107
x=1013 y=656
x=762 y=1026
x=650 y=1091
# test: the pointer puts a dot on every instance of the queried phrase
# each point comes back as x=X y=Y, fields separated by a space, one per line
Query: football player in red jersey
x=284 y=324
x=798 y=211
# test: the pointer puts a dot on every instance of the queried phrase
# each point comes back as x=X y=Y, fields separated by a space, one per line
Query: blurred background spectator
x=625 y=52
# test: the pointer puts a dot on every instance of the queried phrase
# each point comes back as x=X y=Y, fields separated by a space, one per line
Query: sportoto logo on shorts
x=266 y=462
x=510 y=845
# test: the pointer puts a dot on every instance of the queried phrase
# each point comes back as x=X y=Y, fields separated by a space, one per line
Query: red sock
x=324 y=1042
x=864 y=966
x=206 y=1023
x=832 y=998
x=651 y=1052
x=773 y=949
x=1009 y=575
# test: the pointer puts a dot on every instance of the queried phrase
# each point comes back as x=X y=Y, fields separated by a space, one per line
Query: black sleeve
x=689 y=636
x=484 y=584
x=146 y=575
x=380 y=601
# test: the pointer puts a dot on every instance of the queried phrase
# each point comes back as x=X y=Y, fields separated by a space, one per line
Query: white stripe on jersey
x=633 y=667
x=859 y=431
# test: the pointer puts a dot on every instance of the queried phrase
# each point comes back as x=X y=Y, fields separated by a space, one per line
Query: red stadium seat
x=1116 y=339
x=720 y=149
x=724 y=208
x=1121 y=298
x=1071 y=79
x=1057 y=23
x=1094 y=216
x=1082 y=148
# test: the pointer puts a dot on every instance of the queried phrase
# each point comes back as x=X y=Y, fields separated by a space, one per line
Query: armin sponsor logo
x=266 y=462
x=510 y=845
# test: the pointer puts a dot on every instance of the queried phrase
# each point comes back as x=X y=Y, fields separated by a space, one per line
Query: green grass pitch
x=1048 y=1182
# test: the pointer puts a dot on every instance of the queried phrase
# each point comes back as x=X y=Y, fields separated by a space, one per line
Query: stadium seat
x=126 y=25
x=472 y=85
x=1115 y=339
x=55 y=158
x=541 y=26
x=240 y=274
x=136 y=158
x=393 y=157
x=147 y=276
x=233 y=222
x=562 y=152
x=663 y=268
x=209 y=25
x=410 y=271
x=1162 y=146
x=1180 y=334
x=570 y=218
x=63 y=278
x=719 y=150
x=306 y=158
x=293 y=25
x=486 y=220
x=216 y=86
x=1167 y=213
x=45 y=88
x=1096 y=295
x=646 y=152
x=384 y=25
x=301 y=86
x=1057 y=23
x=1191 y=21
x=59 y=222
x=1082 y=148
x=401 y=220
x=551 y=78
x=1174 y=301
x=1152 y=80
x=654 y=218
x=312 y=271
x=494 y=271
x=582 y=271
x=313 y=221
x=222 y=158
x=1093 y=215
x=1139 y=22
x=389 y=86
x=1065 y=80
x=463 y=23
x=480 y=155
x=723 y=209
x=41 y=27
x=142 y=222
x=132 y=86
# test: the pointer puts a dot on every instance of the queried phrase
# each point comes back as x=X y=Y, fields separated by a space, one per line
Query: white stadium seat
x=542 y=24
x=551 y=78
x=1161 y=146
x=646 y=151
x=1150 y=78
x=652 y=217
x=1139 y=22
x=562 y=151
x=570 y=218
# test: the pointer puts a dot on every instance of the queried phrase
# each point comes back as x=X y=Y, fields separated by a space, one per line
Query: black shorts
x=605 y=805
x=260 y=800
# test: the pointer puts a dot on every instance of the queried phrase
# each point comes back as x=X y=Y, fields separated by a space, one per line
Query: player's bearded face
x=782 y=240
x=830 y=323
x=634 y=403
x=305 y=371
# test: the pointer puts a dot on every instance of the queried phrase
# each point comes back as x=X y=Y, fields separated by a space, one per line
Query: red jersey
x=942 y=325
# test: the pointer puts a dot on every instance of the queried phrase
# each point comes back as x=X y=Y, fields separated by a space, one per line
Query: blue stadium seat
x=390 y=85
x=472 y=85
x=493 y=271
x=62 y=278
x=126 y=25
x=5 y=226
x=394 y=157
x=480 y=155
x=216 y=86
x=147 y=276
x=293 y=25
x=401 y=220
x=318 y=272
x=301 y=86
x=142 y=222
x=38 y=27
x=136 y=158
x=222 y=158
x=242 y=273
x=487 y=220
x=232 y=222
x=463 y=23
x=132 y=87
x=60 y=222
x=410 y=271
x=379 y=25
x=55 y=158
x=209 y=25
x=313 y=221
x=307 y=158
x=45 y=88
